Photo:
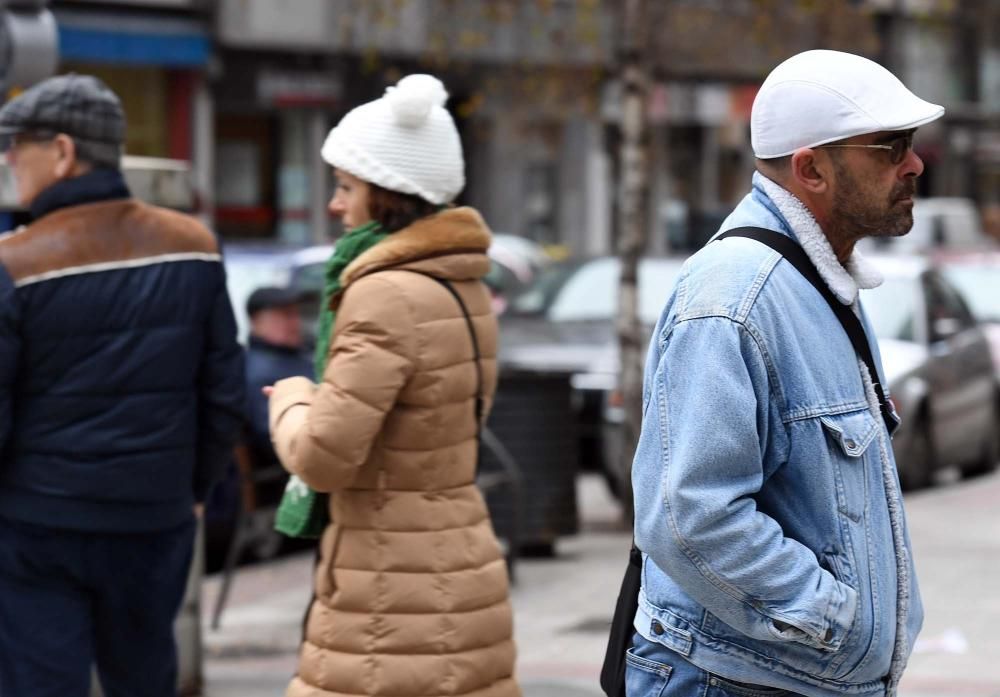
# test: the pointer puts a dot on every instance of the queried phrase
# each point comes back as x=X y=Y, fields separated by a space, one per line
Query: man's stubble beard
x=856 y=214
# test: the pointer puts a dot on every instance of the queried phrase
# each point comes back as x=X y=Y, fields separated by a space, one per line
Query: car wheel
x=916 y=470
x=990 y=458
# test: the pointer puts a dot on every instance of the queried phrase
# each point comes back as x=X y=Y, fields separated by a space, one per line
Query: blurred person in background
x=275 y=351
x=767 y=504
x=411 y=588
x=121 y=391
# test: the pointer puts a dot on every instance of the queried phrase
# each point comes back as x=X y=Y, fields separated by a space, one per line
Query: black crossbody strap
x=796 y=256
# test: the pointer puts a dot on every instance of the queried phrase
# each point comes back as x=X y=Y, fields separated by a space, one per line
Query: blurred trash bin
x=532 y=417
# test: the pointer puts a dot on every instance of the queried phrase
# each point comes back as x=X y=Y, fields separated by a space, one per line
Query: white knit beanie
x=406 y=142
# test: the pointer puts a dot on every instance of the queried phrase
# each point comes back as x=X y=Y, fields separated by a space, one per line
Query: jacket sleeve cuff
x=826 y=632
x=288 y=393
x=841 y=617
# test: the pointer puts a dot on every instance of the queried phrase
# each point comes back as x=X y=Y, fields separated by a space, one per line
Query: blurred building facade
x=247 y=90
x=155 y=54
x=949 y=53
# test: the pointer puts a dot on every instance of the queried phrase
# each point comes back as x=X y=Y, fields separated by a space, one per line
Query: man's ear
x=811 y=170
x=66 y=163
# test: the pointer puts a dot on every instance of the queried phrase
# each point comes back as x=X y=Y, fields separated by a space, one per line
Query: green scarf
x=349 y=247
x=303 y=512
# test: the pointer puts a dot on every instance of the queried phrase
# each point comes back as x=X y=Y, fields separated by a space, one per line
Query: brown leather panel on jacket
x=99 y=233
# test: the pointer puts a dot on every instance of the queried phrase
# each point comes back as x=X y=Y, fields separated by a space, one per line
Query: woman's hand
x=267 y=390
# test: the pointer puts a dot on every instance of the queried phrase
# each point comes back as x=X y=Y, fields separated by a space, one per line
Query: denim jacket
x=766 y=498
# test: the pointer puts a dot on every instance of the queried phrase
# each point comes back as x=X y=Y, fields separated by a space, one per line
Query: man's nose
x=912 y=165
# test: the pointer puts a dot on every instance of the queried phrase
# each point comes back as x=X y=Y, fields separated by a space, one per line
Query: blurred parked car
x=563 y=328
x=977 y=277
x=515 y=262
x=939 y=369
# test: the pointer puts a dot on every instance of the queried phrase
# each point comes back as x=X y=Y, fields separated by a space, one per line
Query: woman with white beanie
x=411 y=592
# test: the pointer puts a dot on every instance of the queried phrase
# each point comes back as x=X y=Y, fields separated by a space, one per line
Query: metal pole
x=203 y=153
x=632 y=225
x=318 y=179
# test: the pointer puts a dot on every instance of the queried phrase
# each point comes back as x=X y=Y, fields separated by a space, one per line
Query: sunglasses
x=898 y=147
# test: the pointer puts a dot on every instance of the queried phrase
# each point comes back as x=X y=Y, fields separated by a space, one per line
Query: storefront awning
x=132 y=39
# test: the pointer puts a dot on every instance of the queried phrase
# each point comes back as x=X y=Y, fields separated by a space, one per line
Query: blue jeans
x=72 y=600
x=649 y=677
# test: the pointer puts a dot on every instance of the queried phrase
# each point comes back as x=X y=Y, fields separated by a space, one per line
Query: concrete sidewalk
x=563 y=605
x=562 y=612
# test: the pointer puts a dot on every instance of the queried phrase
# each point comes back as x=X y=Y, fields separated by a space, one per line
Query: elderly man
x=121 y=387
x=275 y=352
x=775 y=553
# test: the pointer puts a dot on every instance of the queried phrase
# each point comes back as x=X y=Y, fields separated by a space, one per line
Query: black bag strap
x=796 y=256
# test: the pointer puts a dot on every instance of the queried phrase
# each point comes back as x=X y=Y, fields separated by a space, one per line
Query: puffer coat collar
x=451 y=244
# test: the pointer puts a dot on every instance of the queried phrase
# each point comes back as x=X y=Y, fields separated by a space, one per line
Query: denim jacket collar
x=843 y=280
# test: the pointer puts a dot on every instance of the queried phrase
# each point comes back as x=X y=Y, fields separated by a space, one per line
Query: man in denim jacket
x=775 y=554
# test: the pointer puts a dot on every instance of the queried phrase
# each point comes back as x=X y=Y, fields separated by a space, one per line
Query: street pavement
x=563 y=604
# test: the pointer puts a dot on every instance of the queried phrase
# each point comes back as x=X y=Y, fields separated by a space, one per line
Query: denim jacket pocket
x=853 y=432
x=851 y=435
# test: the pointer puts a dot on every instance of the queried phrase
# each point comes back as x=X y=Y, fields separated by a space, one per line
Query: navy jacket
x=121 y=382
x=266 y=364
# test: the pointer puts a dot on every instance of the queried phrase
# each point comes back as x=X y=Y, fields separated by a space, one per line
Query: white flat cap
x=823 y=96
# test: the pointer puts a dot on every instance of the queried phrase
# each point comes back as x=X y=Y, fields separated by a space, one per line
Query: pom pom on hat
x=406 y=142
x=412 y=99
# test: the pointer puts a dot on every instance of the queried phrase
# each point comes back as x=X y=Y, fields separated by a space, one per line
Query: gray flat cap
x=80 y=106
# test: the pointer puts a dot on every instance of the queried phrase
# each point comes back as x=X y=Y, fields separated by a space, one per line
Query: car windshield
x=980 y=286
x=310 y=277
x=589 y=291
x=891 y=308
x=539 y=295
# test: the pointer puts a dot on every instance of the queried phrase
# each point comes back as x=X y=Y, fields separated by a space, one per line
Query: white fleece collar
x=844 y=280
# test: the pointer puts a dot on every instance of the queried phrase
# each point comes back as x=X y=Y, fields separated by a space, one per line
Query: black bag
x=620 y=637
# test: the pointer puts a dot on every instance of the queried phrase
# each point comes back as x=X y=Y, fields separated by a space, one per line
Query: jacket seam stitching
x=806 y=413
x=763 y=273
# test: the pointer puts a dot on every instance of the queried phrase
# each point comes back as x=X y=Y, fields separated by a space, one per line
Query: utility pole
x=632 y=226
x=29 y=44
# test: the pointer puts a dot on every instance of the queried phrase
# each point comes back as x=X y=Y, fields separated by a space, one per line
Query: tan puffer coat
x=411 y=587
